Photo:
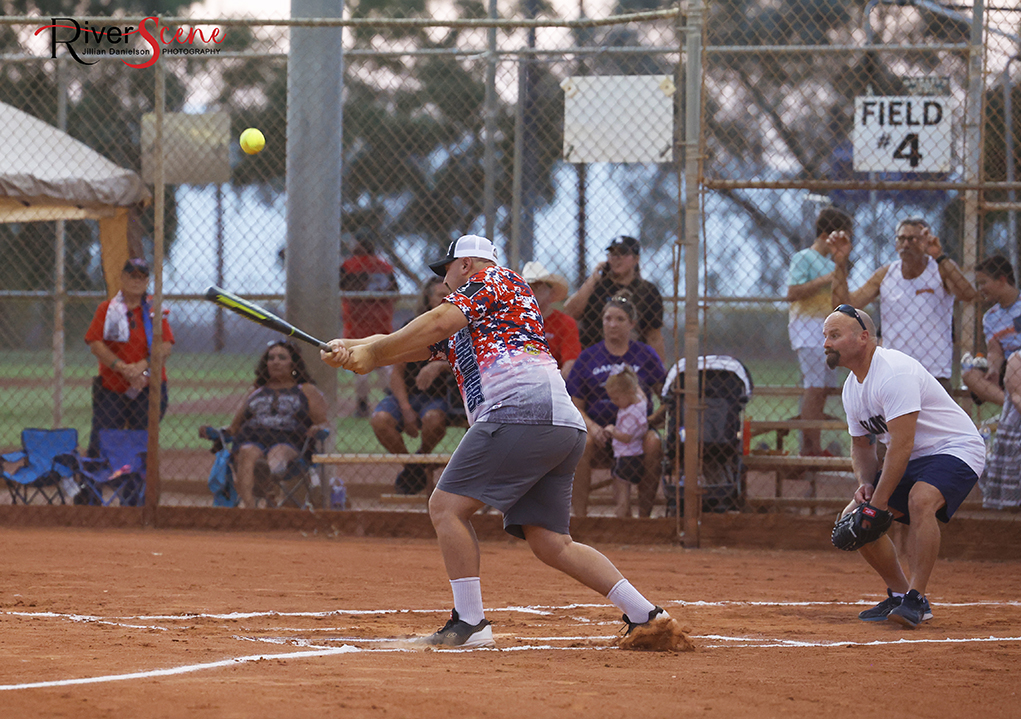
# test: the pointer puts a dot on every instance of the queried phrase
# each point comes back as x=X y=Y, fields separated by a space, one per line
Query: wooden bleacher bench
x=787 y=466
x=780 y=462
x=440 y=460
x=783 y=427
x=380 y=458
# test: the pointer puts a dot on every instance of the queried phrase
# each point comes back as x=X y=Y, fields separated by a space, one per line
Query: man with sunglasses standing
x=916 y=295
x=120 y=337
x=619 y=272
x=934 y=456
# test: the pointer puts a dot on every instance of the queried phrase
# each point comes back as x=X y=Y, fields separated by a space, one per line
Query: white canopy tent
x=45 y=175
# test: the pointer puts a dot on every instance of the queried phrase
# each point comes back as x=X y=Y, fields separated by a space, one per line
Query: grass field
x=205 y=389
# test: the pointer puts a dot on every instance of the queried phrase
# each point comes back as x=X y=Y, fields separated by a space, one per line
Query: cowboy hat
x=534 y=272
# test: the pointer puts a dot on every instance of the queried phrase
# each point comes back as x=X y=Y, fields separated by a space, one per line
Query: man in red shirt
x=366 y=272
x=561 y=329
x=120 y=337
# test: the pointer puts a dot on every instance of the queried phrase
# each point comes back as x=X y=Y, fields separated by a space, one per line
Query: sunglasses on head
x=851 y=312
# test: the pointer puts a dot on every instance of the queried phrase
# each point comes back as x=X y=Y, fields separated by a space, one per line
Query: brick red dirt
x=777 y=634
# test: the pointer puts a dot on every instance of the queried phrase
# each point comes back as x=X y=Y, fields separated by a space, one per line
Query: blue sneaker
x=913 y=610
x=881 y=611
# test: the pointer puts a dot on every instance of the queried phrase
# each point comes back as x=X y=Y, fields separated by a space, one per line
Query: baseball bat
x=251 y=311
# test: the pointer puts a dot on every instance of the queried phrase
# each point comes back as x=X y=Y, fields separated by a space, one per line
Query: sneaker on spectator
x=412 y=479
x=968 y=362
x=912 y=611
x=881 y=611
x=458 y=633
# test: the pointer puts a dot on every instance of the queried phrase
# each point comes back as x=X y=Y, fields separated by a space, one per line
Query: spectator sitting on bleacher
x=999 y=380
x=283 y=407
x=586 y=385
x=1001 y=481
x=1001 y=325
x=418 y=402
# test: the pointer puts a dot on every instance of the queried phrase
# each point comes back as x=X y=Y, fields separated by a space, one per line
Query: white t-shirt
x=633 y=421
x=918 y=317
x=897 y=385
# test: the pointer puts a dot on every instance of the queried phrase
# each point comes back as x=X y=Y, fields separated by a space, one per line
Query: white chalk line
x=185 y=669
x=315 y=650
x=538 y=609
x=347 y=649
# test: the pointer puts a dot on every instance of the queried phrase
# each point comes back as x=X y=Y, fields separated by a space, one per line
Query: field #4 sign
x=902 y=134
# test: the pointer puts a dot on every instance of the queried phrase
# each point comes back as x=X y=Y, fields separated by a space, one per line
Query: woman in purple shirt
x=585 y=384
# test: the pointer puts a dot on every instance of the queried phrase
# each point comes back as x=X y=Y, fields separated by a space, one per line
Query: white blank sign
x=619 y=118
x=197 y=148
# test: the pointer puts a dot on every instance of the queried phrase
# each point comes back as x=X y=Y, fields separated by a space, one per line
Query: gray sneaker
x=457 y=633
x=913 y=610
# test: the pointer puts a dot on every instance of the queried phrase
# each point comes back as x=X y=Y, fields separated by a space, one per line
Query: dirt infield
x=173 y=623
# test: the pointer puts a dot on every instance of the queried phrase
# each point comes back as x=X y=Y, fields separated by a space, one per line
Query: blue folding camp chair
x=118 y=474
x=296 y=488
x=48 y=459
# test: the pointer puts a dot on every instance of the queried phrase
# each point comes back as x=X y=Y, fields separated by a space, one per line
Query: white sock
x=898 y=594
x=630 y=601
x=468 y=599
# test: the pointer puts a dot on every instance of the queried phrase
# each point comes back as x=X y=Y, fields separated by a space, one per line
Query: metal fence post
x=692 y=211
x=489 y=191
x=972 y=164
x=314 y=146
x=152 y=465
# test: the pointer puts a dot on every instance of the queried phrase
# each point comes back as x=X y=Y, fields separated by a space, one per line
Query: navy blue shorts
x=630 y=469
x=420 y=403
x=951 y=476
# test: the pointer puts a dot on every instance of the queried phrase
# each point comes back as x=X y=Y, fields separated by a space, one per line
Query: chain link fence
x=374 y=160
x=840 y=117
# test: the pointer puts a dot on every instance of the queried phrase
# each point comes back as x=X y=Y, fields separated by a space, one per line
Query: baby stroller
x=725 y=386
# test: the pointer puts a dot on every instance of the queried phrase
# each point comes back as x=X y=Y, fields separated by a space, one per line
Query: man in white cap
x=561 y=329
x=518 y=455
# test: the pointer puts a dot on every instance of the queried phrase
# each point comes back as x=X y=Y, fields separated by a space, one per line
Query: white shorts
x=814 y=371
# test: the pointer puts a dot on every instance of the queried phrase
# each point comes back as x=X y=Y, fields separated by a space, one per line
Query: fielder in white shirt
x=933 y=459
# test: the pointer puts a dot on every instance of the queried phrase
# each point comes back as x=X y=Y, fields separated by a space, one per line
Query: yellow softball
x=252 y=141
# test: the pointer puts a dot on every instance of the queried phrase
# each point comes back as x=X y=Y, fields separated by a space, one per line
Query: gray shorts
x=524 y=470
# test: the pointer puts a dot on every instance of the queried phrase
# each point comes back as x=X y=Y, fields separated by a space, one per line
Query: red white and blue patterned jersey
x=501 y=361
